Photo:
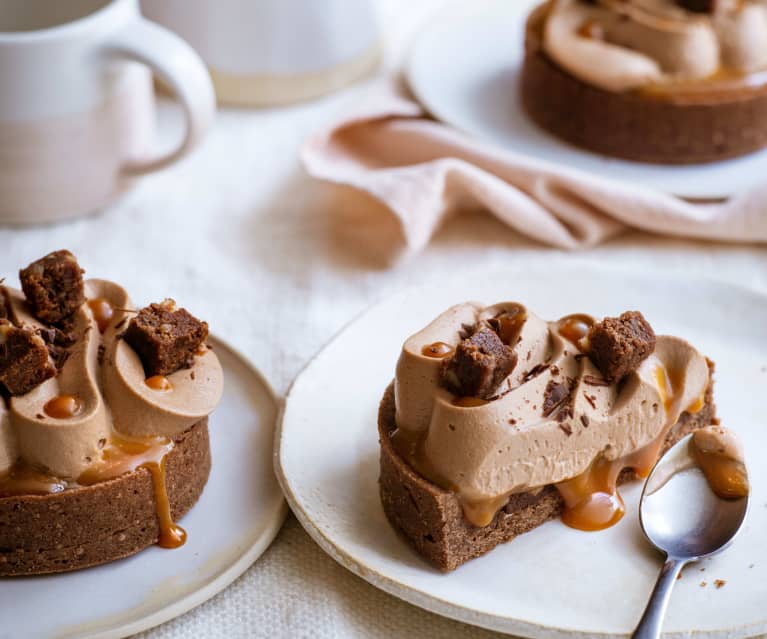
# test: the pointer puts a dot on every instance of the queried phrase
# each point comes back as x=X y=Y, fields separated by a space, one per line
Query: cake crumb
x=703 y=584
x=719 y=583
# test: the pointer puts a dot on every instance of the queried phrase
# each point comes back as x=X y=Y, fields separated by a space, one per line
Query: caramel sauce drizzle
x=592 y=30
x=510 y=324
x=726 y=476
x=437 y=350
x=592 y=500
x=574 y=327
x=103 y=312
x=122 y=455
x=23 y=479
x=63 y=407
x=724 y=79
x=159 y=383
x=468 y=402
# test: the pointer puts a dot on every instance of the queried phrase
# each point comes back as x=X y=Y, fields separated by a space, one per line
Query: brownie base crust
x=431 y=519
x=666 y=129
x=84 y=527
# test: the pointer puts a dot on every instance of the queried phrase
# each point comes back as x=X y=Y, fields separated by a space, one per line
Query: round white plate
x=553 y=581
x=464 y=67
x=238 y=515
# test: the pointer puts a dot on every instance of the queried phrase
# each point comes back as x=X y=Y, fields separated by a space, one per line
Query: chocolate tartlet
x=662 y=81
x=585 y=406
x=103 y=420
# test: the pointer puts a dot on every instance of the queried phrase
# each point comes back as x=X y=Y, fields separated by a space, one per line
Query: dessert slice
x=486 y=437
x=103 y=439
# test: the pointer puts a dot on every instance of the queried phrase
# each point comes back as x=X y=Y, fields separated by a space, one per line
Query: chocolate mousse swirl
x=620 y=45
x=549 y=417
x=64 y=427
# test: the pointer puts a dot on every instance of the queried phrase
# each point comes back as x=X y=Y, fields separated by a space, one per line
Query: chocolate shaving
x=554 y=396
x=585 y=421
x=591 y=380
x=557 y=396
x=554 y=370
x=58 y=355
x=590 y=399
x=534 y=372
x=566 y=429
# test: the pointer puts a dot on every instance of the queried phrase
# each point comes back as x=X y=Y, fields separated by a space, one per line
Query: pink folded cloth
x=421 y=170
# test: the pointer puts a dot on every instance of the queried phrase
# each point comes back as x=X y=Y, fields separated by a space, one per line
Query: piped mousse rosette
x=498 y=421
x=103 y=420
x=681 y=80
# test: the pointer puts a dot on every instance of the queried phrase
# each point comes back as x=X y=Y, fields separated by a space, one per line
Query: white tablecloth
x=277 y=266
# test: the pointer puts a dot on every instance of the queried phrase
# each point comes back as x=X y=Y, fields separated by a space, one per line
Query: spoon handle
x=652 y=620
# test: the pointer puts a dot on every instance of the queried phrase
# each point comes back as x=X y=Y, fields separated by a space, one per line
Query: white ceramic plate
x=464 y=66
x=238 y=515
x=553 y=581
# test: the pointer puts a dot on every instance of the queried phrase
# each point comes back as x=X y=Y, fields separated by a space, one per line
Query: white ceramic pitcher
x=262 y=52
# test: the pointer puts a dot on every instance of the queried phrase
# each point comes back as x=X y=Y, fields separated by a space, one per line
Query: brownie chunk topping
x=24 y=363
x=53 y=286
x=166 y=338
x=618 y=345
x=479 y=365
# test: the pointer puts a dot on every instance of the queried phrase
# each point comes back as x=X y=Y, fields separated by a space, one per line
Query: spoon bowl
x=683 y=518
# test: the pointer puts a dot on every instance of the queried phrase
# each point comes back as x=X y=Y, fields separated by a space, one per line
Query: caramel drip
x=726 y=476
x=103 y=312
x=159 y=383
x=698 y=404
x=592 y=30
x=122 y=455
x=26 y=480
x=510 y=324
x=469 y=402
x=171 y=534
x=63 y=407
x=723 y=79
x=481 y=512
x=437 y=350
x=592 y=500
x=574 y=327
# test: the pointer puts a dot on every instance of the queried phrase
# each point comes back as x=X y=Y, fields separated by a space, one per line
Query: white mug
x=77 y=104
x=264 y=52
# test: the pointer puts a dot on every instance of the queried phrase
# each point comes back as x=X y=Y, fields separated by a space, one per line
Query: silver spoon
x=686 y=521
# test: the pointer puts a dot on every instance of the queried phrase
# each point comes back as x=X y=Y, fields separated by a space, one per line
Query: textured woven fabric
x=288 y=593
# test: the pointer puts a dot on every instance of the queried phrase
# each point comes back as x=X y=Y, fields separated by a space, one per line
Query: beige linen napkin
x=421 y=170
